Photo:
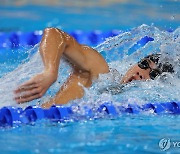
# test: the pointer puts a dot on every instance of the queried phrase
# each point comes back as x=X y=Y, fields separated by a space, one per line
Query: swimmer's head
x=147 y=68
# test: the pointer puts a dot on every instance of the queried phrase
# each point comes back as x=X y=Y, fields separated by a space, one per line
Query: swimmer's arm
x=51 y=49
x=71 y=89
x=54 y=44
x=87 y=64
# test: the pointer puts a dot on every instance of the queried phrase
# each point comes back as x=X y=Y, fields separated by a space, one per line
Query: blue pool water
x=88 y=15
x=124 y=134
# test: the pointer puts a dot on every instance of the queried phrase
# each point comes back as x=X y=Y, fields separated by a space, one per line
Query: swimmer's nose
x=138 y=76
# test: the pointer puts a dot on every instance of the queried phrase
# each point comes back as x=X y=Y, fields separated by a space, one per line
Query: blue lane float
x=19 y=39
x=143 y=41
x=11 y=116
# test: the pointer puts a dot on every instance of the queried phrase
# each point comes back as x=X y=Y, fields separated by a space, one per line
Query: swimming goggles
x=144 y=64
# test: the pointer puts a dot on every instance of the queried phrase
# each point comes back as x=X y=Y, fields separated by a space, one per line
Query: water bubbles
x=172 y=17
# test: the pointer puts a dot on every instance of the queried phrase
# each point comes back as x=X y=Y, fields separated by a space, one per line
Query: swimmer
x=87 y=65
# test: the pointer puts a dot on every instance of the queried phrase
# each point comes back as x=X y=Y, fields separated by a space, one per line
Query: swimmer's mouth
x=131 y=79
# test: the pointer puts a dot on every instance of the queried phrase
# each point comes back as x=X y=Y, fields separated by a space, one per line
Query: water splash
x=165 y=88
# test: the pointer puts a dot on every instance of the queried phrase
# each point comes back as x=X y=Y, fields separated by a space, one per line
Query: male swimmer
x=87 y=64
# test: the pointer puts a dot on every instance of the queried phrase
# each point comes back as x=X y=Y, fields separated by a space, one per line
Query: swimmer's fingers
x=23 y=100
x=26 y=86
x=29 y=82
x=30 y=95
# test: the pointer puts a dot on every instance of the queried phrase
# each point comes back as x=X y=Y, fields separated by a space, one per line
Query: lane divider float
x=11 y=116
x=92 y=38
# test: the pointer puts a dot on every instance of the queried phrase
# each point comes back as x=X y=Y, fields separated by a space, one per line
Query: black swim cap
x=164 y=66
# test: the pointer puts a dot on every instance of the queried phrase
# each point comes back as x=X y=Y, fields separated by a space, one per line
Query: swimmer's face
x=137 y=73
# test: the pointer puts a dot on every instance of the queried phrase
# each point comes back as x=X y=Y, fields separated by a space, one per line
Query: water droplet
x=172 y=17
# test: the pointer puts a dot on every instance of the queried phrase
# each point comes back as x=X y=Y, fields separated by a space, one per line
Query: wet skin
x=86 y=62
x=136 y=73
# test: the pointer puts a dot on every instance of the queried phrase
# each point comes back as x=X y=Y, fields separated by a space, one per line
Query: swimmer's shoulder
x=95 y=60
x=92 y=60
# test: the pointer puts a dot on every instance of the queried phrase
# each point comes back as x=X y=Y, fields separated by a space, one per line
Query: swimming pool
x=126 y=133
x=88 y=15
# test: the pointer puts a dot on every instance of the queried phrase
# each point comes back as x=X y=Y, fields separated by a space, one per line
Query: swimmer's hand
x=34 y=88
